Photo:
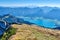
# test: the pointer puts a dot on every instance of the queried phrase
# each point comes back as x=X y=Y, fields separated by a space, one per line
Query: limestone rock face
x=10 y=19
x=3 y=26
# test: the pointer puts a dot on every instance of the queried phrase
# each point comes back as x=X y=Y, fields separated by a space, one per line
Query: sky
x=33 y=3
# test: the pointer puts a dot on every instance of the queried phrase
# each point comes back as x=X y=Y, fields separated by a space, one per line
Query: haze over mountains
x=46 y=12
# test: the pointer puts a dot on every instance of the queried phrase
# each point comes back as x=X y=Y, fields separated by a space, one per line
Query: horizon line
x=30 y=5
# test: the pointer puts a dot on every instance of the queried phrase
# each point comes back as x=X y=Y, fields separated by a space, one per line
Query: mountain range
x=46 y=12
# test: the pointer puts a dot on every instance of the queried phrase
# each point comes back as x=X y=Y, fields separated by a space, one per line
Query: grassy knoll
x=28 y=32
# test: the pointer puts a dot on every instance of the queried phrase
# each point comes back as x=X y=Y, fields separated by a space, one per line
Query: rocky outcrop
x=3 y=26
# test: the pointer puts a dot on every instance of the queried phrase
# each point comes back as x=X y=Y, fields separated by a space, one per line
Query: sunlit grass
x=8 y=33
x=25 y=32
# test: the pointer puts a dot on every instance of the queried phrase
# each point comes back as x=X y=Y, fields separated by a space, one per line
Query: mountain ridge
x=46 y=12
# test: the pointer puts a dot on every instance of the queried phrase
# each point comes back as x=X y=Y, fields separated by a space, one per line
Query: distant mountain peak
x=46 y=9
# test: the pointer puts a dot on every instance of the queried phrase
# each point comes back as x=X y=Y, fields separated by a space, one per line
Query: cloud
x=30 y=5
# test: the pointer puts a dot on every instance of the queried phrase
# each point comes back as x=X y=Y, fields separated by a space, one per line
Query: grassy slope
x=28 y=32
x=8 y=33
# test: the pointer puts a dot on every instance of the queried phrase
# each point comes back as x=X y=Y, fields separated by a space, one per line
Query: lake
x=42 y=22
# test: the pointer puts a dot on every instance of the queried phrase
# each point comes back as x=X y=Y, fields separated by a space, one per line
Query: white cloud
x=29 y=5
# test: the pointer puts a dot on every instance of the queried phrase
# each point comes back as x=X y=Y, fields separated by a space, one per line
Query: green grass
x=27 y=33
x=42 y=36
x=39 y=35
x=8 y=33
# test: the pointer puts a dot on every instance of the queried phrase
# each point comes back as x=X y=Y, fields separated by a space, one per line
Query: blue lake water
x=44 y=23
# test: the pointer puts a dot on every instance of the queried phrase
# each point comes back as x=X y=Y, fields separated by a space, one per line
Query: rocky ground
x=33 y=32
